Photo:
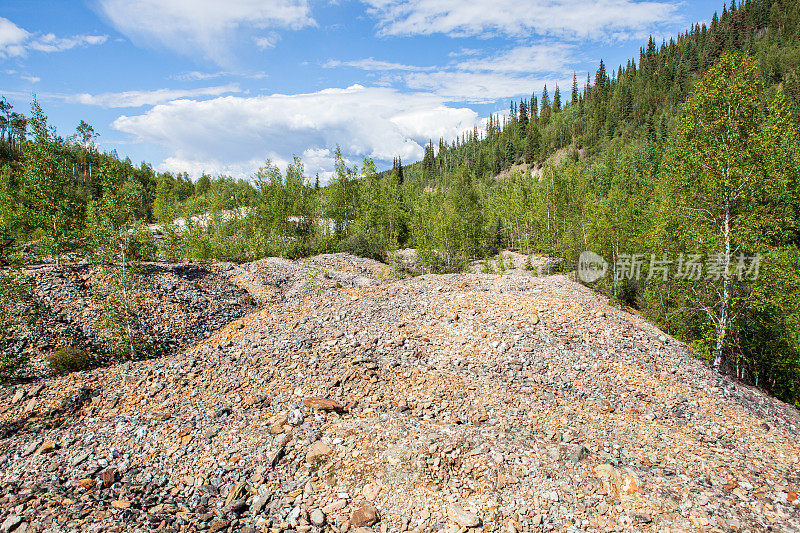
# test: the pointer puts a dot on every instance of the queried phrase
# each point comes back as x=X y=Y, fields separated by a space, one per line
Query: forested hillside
x=688 y=151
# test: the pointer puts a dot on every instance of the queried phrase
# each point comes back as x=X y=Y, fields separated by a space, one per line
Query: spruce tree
x=574 y=99
x=557 y=100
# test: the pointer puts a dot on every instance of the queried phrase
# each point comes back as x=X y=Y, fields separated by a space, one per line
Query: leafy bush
x=10 y=363
x=529 y=263
x=363 y=246
x=66 y=360
x=141 y=246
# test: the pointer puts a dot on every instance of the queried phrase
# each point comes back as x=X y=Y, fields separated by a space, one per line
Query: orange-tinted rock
x=364 y=516
x=616 y=482
x=322 y=404
x=108 y=477
x=317 y=452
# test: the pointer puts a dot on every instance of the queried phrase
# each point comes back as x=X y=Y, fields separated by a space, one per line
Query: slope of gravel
x=176 y=304
x=275 y=279
x=514 y=264
x=486 y=402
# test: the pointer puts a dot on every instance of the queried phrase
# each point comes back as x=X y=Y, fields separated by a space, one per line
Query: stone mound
x=498 y=403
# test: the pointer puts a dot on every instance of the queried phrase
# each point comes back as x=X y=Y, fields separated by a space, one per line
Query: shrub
x=10 y=363
x=362 y=246
x=66 y=360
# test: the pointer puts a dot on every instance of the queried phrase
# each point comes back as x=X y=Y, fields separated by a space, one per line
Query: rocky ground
x=436 y=403
x=175 y=304
x=514 y=264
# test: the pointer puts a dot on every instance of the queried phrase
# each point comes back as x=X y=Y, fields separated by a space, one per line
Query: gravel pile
x=437 y=403
x=276 y=280
x=176 y=305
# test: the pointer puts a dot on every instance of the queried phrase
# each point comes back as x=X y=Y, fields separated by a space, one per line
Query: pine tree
x=557 y=100
x=546 y=107
x=523 y=117
x=574 y=99
x=400 y=177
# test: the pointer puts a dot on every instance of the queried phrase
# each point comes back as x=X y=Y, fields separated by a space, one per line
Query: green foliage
x=119 y=305
x=52 y=204
x=726 y=190
x=67 y=360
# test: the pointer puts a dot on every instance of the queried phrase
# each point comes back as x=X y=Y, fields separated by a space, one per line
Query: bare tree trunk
x=722 y=325
x=57 y=244
x=125 y=297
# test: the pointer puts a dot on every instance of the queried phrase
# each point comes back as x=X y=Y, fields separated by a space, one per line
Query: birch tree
x=717 y=177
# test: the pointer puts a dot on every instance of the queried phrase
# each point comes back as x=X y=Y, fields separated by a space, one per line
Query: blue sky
x=220 y=86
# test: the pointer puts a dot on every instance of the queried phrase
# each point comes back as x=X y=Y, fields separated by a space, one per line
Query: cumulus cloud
x=564 y=18
x=12 y=39
x=235 y=134
x=213 y=166
x=204 y=26
x=147 y=98
x=15 y=41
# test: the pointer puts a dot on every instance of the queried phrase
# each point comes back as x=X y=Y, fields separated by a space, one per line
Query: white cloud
x=267 y=42
x=464 y=52
x=32 y=79
x=15 y=41
x=12 y=39
x=578 y=19
x=512 y=72
x=552 y=57
x=51 y=43
x=476 y=87
x=235 y=134
x=196 y=75
x=318 y=161
x=372 y=64
x=213 y=166
x=479 y=80
x=549 y=57
x=147 y=98
x=204 y=26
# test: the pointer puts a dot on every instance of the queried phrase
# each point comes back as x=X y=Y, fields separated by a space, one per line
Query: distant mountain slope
x=637 y=100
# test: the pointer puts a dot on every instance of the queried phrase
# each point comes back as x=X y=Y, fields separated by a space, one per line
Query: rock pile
x=275 y=279
x=175 y=304
x=437 y=403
